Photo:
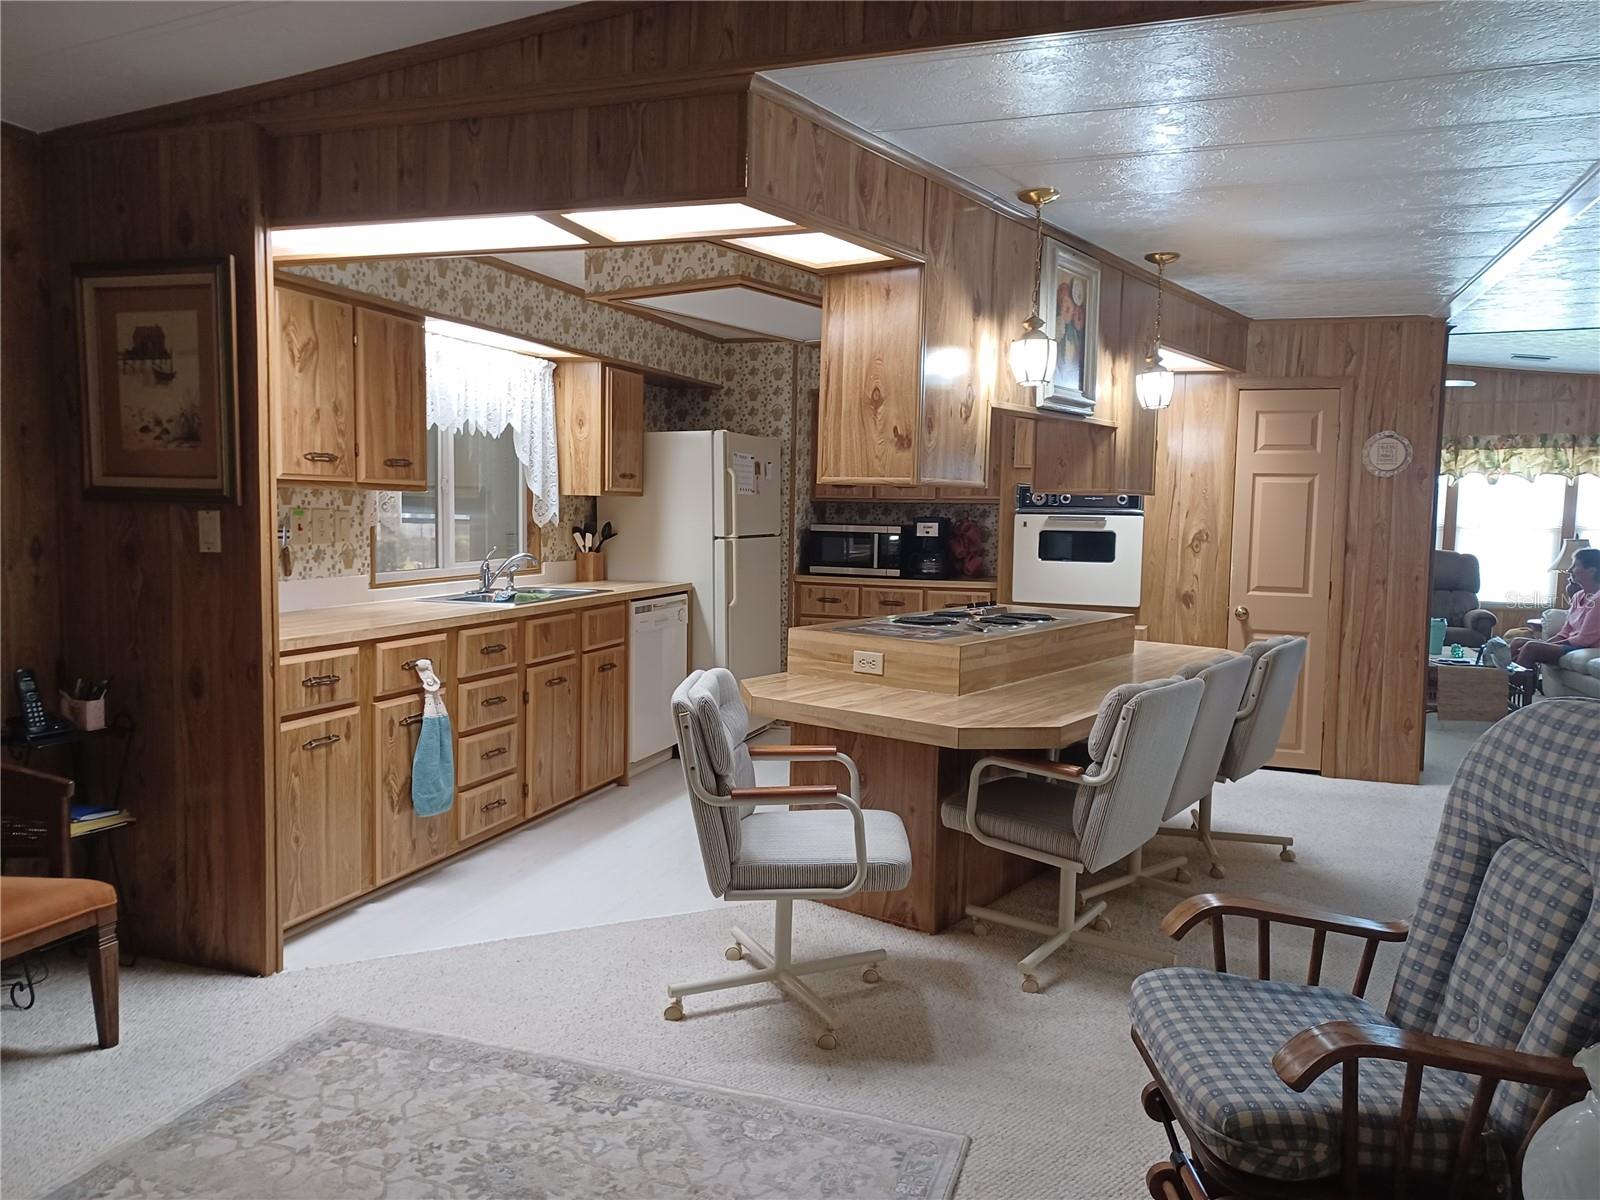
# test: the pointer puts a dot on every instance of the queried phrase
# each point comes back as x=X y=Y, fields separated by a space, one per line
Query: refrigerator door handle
x=730 y=501
x=733 y=571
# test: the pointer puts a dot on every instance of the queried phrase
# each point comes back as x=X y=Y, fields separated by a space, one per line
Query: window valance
x=1526 y=456
x=483 y=389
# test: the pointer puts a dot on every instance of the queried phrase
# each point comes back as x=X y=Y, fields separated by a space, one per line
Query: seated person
x=1581 y=630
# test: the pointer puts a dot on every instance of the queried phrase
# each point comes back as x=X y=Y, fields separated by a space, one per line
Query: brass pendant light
x=1033 y=355
x=1153 y=384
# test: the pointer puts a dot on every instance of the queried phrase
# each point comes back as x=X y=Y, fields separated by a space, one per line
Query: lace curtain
x=1524 y=455
x=483 y=389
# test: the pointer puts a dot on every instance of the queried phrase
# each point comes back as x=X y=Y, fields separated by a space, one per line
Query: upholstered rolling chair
x=1225 y=678
x=1082 y=818
x=782 y=856
x=1275 y=669
x=1497 y=986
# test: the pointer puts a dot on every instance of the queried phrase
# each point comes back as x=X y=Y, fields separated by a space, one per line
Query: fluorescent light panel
x=671 y=222
x=446 y=235
x=816 y=250
x=1461 y=383
x=1178 y=361
x=489 y=337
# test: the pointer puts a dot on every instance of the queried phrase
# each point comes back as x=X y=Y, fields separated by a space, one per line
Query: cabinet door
x=871 y=376
x=604 y=732
x=624 y=440
x=580 y=427
x=313 y=388
x=404 y=841
x=391 y=401
x=890 y=601
x=960 y=369
x=552 y=734
x=321 y=831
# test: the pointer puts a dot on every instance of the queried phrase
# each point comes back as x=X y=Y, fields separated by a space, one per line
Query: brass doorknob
x=1242 y=613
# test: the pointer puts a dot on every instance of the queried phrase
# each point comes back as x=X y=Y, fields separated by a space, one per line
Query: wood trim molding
x=710 y=284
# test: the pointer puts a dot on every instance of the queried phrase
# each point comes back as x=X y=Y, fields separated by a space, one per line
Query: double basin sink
x=512 y=597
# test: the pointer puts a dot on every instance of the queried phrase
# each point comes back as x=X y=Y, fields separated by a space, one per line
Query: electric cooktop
x=987 y=619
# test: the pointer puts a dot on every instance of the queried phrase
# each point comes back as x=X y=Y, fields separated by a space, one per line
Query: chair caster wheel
x=827 y=1042
x=1217 y=872
x=1182 y=876
x=980 y=929
x=734 y=952
x=870 y=975
x=1100 y=925
x=1286 y=854
x=673 y=1011
x=1030 y=984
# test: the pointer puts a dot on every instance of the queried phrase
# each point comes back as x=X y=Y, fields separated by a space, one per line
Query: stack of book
x=88 y=816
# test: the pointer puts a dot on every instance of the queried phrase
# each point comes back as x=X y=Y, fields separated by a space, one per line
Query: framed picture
x=160 y=384
x=1070 y=308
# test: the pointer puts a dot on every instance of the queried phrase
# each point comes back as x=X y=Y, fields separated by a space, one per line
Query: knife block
x=591 y=566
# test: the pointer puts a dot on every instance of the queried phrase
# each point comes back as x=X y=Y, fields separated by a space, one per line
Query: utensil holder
x=87 y=715
x=591 y=566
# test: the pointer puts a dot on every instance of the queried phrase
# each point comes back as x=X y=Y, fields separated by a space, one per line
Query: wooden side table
x=1470 y=693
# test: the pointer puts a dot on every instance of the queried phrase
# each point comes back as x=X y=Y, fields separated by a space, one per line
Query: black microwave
x=852 y=550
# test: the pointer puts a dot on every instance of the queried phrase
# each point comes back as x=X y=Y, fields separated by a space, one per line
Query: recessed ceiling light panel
x=672 y=222
x=1177 y=360
x=490 y=337
x=816 y=250
x=397 y=239
x=1453 y=383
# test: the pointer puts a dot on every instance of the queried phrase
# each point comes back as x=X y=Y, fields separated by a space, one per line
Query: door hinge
x=524 y=697
x=524 y=791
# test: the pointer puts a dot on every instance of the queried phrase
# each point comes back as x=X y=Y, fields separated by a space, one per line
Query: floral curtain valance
x=484 y=389
x=1523 y=455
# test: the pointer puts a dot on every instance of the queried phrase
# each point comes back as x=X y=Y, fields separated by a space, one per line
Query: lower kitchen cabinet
x=404 y=841
x=322 y=813
x=552 y=725
x=480 y=809
x=604 y=732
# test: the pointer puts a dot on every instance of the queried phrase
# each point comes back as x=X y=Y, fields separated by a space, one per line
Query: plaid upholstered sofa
x=1498 y=985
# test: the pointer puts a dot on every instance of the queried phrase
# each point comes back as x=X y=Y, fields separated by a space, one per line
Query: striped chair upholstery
x=1255 y=737
x=1226 y=676
x=1504 y=950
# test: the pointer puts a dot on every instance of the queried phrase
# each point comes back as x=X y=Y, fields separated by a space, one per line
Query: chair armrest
x=825 y=793
x=1214 y=906
x=1481 y=620
x=786 y=791
x=1036 y=766
x=792 y=753
x=1311 y=1052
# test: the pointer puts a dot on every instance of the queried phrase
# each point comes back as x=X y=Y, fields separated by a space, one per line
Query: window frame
x=1446 y=531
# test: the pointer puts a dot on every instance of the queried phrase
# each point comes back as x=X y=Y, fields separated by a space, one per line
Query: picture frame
x=159 y=374
x=1069 y=305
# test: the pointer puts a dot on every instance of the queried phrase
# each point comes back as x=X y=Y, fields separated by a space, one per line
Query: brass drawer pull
x=556 y=682
x=326 y=739
x=397 y=462
x=892 y=603
x=494 y=804
x=608 y=666
x=829 y=599
x=410 y=664
x=495 y=753
x=495 y=648
x=316 y=681
x=493 y=701
x=413 y=719
x=626 y=475
x=320 y=456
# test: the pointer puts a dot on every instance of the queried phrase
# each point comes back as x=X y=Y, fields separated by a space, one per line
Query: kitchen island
x=915 y=748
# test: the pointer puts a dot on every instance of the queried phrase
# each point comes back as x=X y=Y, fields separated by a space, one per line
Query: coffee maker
x=923 y=550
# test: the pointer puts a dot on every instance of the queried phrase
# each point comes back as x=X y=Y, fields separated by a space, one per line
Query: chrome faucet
x=488 y=576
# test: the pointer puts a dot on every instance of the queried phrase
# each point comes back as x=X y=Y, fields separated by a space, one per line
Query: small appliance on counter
x=924 y=549
x=1073 y=548
x=852 y=550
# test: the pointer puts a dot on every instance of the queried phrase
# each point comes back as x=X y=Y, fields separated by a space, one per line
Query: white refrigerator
x=711 y=515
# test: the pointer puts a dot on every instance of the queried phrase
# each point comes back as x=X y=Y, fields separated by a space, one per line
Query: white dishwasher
x=658 y=659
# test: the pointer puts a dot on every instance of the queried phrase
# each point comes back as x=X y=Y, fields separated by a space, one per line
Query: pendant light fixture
x=1153 y=384
x=1033 y=355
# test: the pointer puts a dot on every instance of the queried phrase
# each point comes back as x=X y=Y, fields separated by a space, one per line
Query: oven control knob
x=1037 y=498
x=1064 y=499
x=1122 y=500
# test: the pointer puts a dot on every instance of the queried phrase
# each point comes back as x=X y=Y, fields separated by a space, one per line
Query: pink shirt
x=1581 y=630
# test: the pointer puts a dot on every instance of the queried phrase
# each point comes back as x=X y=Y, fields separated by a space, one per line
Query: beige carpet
x=1045 y=1085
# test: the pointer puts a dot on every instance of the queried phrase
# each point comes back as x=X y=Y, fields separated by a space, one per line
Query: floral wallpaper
x=611 y=268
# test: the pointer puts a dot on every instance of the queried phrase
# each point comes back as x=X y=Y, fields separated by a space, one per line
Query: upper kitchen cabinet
x=961 y=359
x=871 y=398
x=600 y=423
x=391 y=401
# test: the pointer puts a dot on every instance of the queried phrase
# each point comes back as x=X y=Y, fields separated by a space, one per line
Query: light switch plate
x=210 y=524
x=867 y=662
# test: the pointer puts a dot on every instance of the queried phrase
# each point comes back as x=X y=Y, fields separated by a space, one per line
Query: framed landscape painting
x=1070 y=307
x=160 y=385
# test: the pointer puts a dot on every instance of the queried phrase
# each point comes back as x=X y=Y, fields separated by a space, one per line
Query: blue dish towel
x=433 y=767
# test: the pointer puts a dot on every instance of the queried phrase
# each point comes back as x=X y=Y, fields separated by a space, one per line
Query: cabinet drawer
x=487 y=702
x=829 y=600
x=890 y=602
x=484 y=754
x=948 y=597
x=552 y=637
x=483 y=808
x=604 y=626
x=486 y=648
x=320 y=679
x=394 y=671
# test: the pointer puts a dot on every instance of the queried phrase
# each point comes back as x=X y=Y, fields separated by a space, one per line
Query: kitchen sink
x=506 y=596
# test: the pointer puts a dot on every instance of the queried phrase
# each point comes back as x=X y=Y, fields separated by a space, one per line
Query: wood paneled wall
x=1521 y=402
x=186 y=637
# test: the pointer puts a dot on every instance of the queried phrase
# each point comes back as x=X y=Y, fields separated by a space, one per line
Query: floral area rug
x=361 y=1110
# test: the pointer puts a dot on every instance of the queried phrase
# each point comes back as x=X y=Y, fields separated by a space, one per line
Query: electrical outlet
x=867 y=662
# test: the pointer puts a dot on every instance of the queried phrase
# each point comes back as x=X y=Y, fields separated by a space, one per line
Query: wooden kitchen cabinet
x=403 y=841
x=604 y=733
x=890 y=601
x=391 y=402
x=960 y=367
x=871 y=395
x=322 y=826
x=313 y=388
x=480 y=809
x=600 y=428
x=552 y=725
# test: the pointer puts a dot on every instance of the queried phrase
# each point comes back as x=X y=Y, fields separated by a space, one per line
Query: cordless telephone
x=35 y=722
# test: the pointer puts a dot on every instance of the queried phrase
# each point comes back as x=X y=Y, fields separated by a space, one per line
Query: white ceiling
x=741 y=311
x=566 y=266
x=65 y=61
x=1363 y=159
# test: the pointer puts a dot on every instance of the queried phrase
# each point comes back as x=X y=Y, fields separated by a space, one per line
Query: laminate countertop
x=316 y=628
x=1039 y=713
x=953 y=585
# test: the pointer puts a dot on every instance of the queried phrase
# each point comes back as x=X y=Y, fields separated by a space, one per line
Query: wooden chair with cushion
x=1437 y=1093
x=38 y=912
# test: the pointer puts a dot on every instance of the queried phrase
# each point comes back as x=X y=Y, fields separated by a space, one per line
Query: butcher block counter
x=915 y=747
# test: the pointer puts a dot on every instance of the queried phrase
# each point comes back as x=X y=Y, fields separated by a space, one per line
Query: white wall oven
x=1083 y=549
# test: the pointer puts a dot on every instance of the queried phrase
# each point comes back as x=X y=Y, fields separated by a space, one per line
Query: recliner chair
x=1454 y=596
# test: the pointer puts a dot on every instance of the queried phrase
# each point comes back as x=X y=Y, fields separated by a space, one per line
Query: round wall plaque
x=1386 y=453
